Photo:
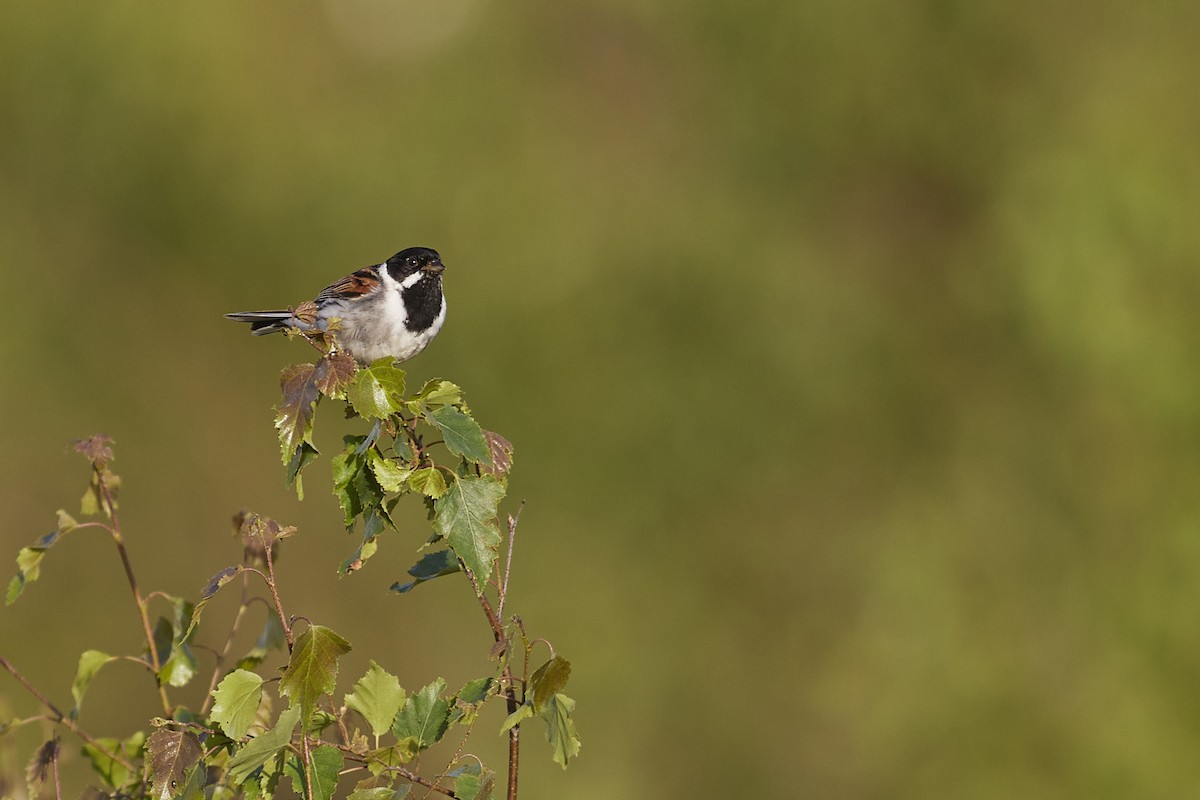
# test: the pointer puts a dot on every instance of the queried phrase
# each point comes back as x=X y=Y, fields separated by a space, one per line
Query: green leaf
x=169 y=754
x=560 y=728
x=194 y=781
x=90 y=663
x=428 y=481
x=327 y=762
x=438 y=392
x=271 y=638
x=29 y=559
x=548 y=680
x=179 y=668
x=261 y=748
x=473 y=782
x=386 y=757
x=377 y=391
x=425 y=716
x=294 y=414
x=94 y=501
x=466 y=518
x=462 y=435
x=312 y=670
x=469 y=699
x=380 y=793
x=177 y=664
x=235 y=702
x=354 y=484
x=378 y=697
x=431 y=565
x=111 y=772
x=391 y=476
x=523 y=712
x=305 y=454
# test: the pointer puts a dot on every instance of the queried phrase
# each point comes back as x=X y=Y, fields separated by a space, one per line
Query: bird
x=391 y=310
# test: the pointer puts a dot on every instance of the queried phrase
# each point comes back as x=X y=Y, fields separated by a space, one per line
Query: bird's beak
x=434 y=267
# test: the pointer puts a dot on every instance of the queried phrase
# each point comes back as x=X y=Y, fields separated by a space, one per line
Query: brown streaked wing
x=351 y=287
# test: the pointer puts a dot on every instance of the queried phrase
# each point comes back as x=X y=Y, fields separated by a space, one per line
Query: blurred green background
x=849 y=351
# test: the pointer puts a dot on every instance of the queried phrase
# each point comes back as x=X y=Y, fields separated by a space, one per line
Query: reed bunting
x=390 y=309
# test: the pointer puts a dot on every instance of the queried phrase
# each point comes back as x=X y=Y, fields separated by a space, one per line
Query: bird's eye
x=412 y=262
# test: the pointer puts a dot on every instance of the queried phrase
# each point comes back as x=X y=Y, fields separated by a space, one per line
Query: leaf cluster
x=237 y=744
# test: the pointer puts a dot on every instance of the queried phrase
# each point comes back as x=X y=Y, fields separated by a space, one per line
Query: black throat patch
x=422 y=301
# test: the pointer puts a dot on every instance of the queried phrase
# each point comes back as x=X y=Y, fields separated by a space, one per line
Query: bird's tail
x=264 y=322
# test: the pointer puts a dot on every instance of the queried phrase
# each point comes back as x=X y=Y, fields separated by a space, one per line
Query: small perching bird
x=392 y=309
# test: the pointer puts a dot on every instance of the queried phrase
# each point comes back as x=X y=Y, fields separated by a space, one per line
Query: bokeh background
x=849 y=350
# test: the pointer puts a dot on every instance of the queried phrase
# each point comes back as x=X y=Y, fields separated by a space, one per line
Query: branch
x=510 y=694
x=119 y=540
x=408 y=775
x=62 y=719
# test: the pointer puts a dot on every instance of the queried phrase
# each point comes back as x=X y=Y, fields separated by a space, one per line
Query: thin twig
x=408 y=775
x=119 y=540
x=270 y=578
x=510 y=693
x=512 y=540
x=221 y=656
x=54 y=766
x=62 y=719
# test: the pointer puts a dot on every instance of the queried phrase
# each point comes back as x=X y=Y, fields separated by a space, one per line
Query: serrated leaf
x=235 y=702
x=377 y=391
x=110 y=771
x=428 y=481
x=378 y=697
x=466 y=518
x=312 y=670
x=390 y=476
x=462 y=435
x=431 y=565
x=333 y=373
x=473 y=783
x=169 y=754
x=438 y=392
x=548 y=680
x=327 y=762
x=354 y=484
x=305 y=454
x=90 y=663
x=263 y=747
x=560 y=728
x=39 y=767
x=500 y=452
x=425 y=716
x=294 y=414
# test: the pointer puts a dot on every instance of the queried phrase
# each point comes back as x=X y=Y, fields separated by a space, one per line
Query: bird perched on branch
x=390 y=309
